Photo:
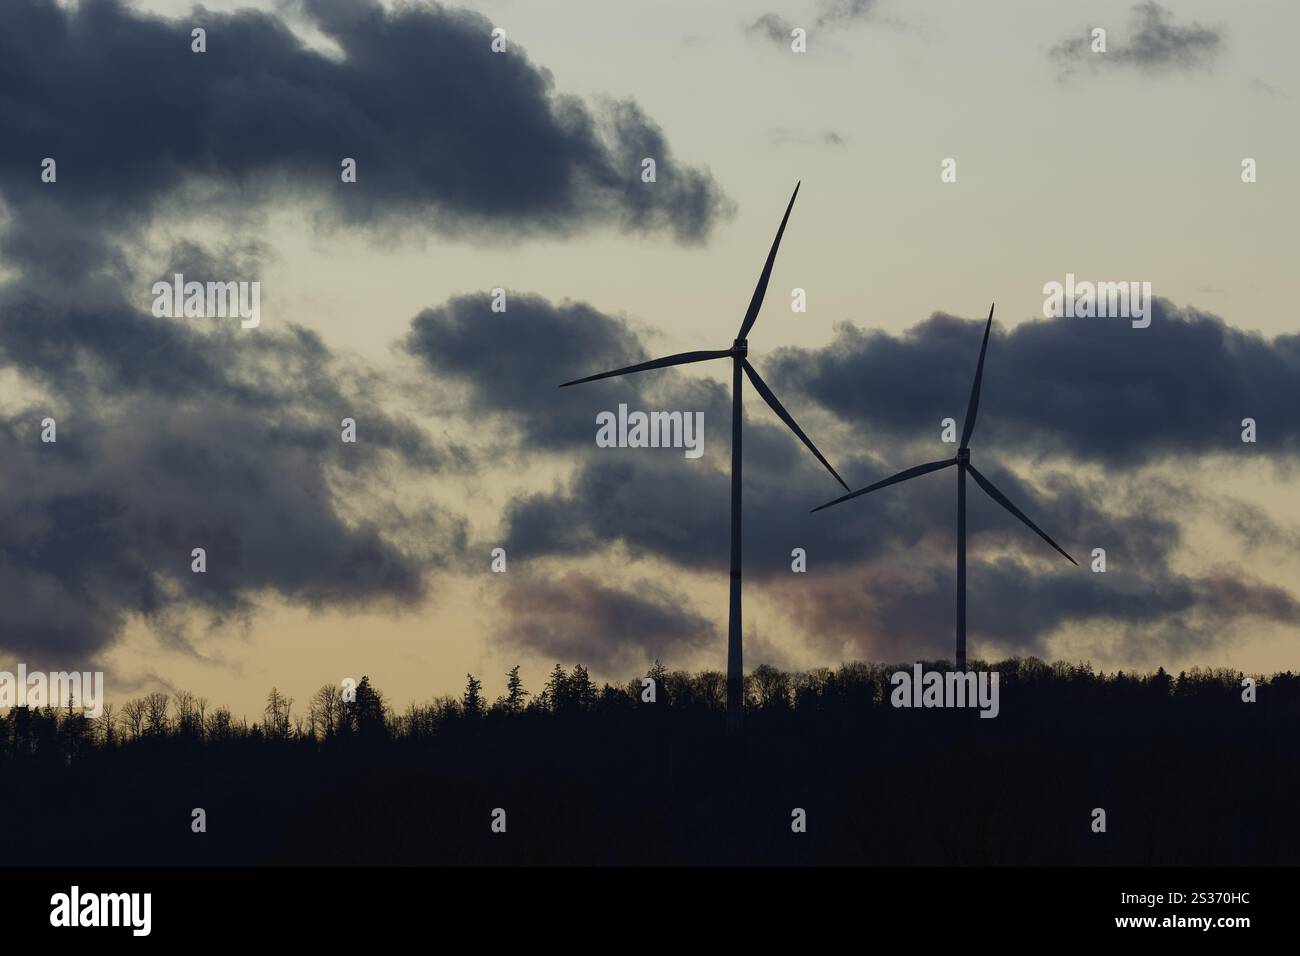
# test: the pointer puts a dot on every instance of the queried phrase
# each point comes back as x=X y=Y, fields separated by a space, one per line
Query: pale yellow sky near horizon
x=1119 y=175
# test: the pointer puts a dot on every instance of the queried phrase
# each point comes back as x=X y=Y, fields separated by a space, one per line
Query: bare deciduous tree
x=104 y=727
x=188 y=722
x=276 y=712
x=155 y=721
x=133 y=718
x=325 y=710
x=219 y=725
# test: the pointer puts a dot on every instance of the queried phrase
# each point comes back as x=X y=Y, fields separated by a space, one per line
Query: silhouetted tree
x=189 y=721
x=325 y=710
x=220 y=726
x=367 y=711
x=105 y=730
x=275 y=722
x=515 y=692
x=581 y=689
x=472 y=702
x=555 y=694
x=659 y=674
x=613 y=700
x=771 y=687
x=155 y=715
x=134 y=712
x=75 y=731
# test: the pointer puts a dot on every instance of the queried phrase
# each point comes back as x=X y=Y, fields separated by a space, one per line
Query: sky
x=522 y=171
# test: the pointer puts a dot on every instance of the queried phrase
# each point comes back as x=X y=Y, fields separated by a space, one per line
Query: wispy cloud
x=772 y=27
x=827 y=14
x=1154 y=43
x=838 y=12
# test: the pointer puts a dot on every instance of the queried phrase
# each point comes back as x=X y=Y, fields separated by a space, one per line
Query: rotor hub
x=740 y=348
x=963 y=455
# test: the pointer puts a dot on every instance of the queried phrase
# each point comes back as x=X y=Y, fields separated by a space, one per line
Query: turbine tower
x=962 y=461
x=737 y=353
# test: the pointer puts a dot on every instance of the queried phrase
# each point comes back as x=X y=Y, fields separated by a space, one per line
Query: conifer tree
x=472 y=702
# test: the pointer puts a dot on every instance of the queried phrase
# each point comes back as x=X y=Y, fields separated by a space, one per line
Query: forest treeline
x=334 y=715
x=1186 y=770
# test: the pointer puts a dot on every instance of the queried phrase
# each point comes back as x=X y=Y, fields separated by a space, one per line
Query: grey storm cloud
x=881 y=575
x=175 y=434
x=447 y=134
x=1062 y=390
x=98 y=528
x=181 y=433
x=1153 y=42
x=573 y=617
x=1092 y=389
x=513 y=362
x=677 y=511
x=171 y=437
x=901 y=609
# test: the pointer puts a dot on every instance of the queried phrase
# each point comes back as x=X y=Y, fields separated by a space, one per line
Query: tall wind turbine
x=962 y=461
x=739 y=349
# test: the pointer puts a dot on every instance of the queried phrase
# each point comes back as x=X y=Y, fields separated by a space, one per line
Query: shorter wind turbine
x=962 y=461
x=737 y=353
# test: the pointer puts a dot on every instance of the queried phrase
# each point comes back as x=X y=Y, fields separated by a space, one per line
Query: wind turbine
x=962 y=461
x=737 y=353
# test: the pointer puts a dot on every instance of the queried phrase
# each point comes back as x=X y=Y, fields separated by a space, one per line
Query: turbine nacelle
x=963 y=456
x=740 y=348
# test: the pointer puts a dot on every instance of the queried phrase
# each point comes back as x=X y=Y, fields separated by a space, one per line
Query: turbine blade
x=1002 y=499
x=785 y=416
x=893 y=480
x=973 y=406
x=756 y=303
x=682 y=358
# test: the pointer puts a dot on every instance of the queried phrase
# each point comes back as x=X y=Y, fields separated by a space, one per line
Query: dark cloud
x=513 y=362
x=574 y=618
x=676 y=511
x=98 y=527
x=1092 y=389
x=447 y=133
x=881 y=576
x=901 y=610
x=510 y=365
x=661 y=505
x=183 y=433
x=1154 y=42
